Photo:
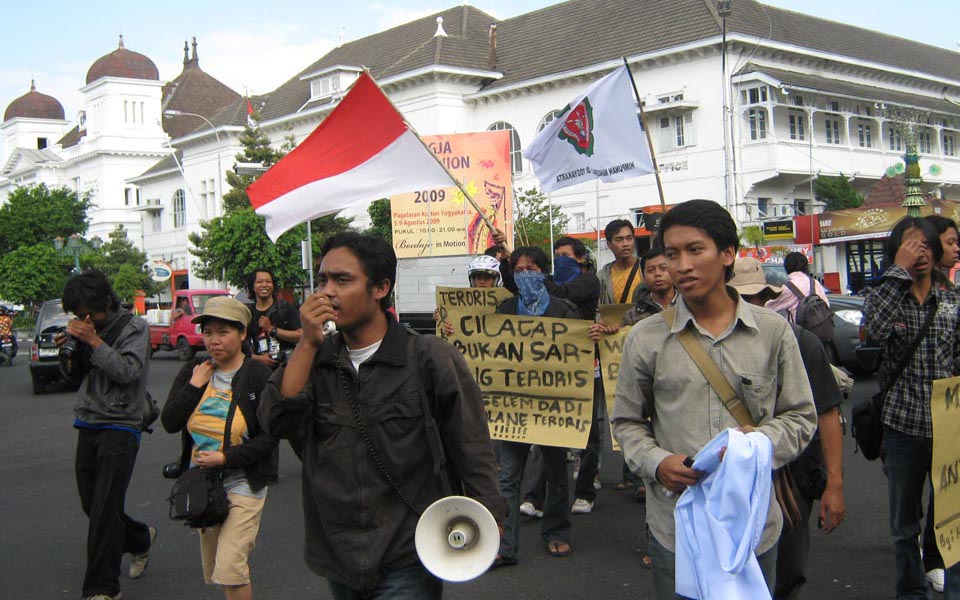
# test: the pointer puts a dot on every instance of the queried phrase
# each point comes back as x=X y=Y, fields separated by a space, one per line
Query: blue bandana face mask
x=534 y=298
x=565 y=269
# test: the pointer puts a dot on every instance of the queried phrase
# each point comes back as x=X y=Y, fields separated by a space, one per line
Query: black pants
x=793 y=550
x=104 y=464
x=590 y=456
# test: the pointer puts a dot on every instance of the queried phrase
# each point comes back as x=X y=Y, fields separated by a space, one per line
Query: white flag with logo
x=597 y=136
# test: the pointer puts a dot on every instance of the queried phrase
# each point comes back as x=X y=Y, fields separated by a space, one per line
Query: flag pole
x=456 y=181
x=646 y=130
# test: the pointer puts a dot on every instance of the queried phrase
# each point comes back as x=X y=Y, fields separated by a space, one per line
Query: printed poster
x=441 y=222
x=945 y=469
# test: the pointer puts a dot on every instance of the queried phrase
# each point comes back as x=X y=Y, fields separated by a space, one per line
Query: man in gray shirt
x=665 y=410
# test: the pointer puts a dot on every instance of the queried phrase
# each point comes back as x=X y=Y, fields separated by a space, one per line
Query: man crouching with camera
x=114 y=345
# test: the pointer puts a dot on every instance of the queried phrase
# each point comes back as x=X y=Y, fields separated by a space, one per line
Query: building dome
x=123 y=63
x=34 y=105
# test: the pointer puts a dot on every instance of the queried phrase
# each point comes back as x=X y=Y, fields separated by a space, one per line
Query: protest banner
x=438 y=222
x=612 y=314
x=536 y=375
x=453 y=301
x=611 y=351
x=945 y=468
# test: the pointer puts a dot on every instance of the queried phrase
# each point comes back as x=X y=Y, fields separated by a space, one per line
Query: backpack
x=812 y=313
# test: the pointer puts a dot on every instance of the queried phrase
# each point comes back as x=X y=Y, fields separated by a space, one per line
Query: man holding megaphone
x=390 y=422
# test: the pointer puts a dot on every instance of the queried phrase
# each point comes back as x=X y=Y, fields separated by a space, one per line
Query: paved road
x=43 y=528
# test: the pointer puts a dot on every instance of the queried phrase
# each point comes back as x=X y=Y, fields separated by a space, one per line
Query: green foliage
x=752 y=235
x=234 y=244
x=836 y=192
x=37 y=214
x=381 y=220
x=531 y=223
x=32 y=274
x=256 y=149
x=122 y=262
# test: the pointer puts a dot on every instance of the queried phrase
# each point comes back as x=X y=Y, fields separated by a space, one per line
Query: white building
x=744 y=109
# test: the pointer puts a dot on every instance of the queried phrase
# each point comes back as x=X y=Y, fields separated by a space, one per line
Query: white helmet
x=484 y=264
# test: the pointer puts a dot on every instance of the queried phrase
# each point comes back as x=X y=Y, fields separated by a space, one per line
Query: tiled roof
x=123 y=63
x=890 y=191
x=842 y=87
x=194 y=91
x=163 y=165
x=34 y=105
x=71 y=138
x=403 y=48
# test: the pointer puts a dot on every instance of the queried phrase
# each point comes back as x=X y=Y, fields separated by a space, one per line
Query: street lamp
x=74 y=244
x=179 y=113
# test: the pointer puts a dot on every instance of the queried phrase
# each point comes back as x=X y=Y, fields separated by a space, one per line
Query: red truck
x=172 y=329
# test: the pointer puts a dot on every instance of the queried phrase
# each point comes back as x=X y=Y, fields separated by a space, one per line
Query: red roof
x=34 y=105
x=123 y=63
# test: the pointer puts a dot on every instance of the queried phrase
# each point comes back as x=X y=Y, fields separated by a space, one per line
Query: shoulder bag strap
x=711 y=371
x=795 y=290
x=902 y=365
x=626 y=289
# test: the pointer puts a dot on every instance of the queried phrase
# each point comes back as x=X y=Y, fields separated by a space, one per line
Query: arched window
x=547 y=118
x=179 y=209
x=516 y=159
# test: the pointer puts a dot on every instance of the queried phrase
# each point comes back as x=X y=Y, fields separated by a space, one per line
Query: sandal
x=623 y=485
x=558 y=548
x=501 y=561
x=645 y=561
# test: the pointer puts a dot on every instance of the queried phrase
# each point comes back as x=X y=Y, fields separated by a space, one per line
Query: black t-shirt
x=282 y=314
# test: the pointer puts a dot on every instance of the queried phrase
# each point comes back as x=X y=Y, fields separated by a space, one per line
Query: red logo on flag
x=578 y=127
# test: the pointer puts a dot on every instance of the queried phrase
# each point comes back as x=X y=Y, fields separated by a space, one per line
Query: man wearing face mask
x=530 y=272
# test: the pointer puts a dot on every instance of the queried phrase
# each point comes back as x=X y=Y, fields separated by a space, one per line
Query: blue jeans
x=413 y=581
x=906 y=463
x=555 y=524
x=664 y=577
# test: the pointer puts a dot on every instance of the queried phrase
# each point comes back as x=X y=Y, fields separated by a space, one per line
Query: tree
x=237 y=242
x=256 y=149
x=37 y=214
x=752 y=235
x=532 y=220
x=837 y=192
x=122 y=263
x=381 y=220
x=31 y=274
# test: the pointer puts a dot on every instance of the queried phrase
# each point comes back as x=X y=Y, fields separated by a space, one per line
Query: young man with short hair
x=798 y=273
x=108 y=417
x=621 y=278
x=360 y=399
x=665 y=409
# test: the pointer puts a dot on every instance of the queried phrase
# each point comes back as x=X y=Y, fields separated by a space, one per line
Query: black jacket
x=254 y=455
x=357 y=527
x=584 y=291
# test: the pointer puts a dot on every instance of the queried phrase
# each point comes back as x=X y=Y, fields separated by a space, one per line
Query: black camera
x=74 y=358
x=171 y=470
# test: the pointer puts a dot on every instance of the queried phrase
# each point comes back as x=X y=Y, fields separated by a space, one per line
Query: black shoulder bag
x=197 y=496
x=865 y=422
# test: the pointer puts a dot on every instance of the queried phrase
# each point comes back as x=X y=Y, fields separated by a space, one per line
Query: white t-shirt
x=361 y=355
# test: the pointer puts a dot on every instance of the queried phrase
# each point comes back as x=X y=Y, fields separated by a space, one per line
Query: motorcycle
x=8 y=350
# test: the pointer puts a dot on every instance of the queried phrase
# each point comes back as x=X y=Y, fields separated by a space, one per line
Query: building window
x=547 y=118
x=579 y=221
x=949 y=146
x=895 y=141
x=835 y=106
x=800 y=206
x=754 y=95
x=797 y=126
x=758 y=124
x=131 y=196
x=923 y=141
x=41 y=143
x=516 y=158
x=763 y=205
x=179 y=209
x=865 y=134
x=832 y=129
x=676 y=131
x=157 y=222
x=798 y=100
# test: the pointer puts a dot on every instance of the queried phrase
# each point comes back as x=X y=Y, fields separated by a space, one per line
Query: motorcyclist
x=6 y=330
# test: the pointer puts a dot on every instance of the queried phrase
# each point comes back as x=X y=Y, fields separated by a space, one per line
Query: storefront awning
x=876 y=222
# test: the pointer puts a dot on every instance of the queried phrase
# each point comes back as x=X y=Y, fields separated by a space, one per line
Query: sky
x=255 y=46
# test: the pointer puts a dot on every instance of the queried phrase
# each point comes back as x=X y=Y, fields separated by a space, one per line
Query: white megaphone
x=457 y=538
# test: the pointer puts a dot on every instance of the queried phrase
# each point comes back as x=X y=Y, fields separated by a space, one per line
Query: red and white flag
x=361 y=152
x=251 y=121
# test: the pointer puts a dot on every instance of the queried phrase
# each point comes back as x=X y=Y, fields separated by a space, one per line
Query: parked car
x=847 y=316
x=44 y=354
